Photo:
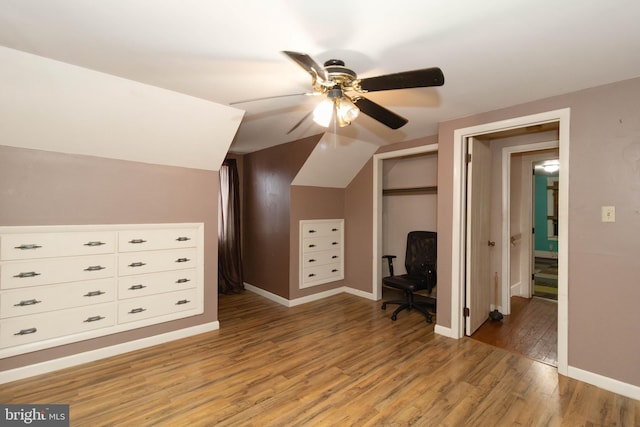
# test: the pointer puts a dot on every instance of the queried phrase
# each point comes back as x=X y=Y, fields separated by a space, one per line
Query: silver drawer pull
x=26 y=247
x=94 y=268
x=183 y=280
x=28 y=274
x=183 y=239
x=93 y=319
x=136 y=287
x=27 y=331
x=183 y=260
x=94 y=293
x=137 y=241
x=27 y=302
x=137 y=264
x=312 y=260
x=94 y=244
x=137 y=310
x=183 y=301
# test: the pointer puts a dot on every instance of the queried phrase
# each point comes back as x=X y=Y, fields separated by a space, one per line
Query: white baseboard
x=444 y=331
x=101 y=353
x=310 y=298
x=615 y=386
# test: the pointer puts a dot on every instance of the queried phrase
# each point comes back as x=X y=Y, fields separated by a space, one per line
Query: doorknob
x=491 y=243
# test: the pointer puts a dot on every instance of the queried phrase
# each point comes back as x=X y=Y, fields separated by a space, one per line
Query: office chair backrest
x=422 y=254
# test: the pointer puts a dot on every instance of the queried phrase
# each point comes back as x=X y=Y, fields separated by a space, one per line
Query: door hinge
x=468 y=157
x=533 y=230
x=465 y=312
x=533 y=276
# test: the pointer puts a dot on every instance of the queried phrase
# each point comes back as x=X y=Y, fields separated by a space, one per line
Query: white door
x=478 y=272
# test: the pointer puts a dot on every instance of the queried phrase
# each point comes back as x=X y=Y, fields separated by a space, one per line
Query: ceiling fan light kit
x=344 y=91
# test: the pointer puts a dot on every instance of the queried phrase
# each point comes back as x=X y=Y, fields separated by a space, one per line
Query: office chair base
x=409 y=304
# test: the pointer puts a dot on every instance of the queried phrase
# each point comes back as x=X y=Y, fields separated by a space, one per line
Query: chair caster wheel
x=394 y=317
x=384 y=306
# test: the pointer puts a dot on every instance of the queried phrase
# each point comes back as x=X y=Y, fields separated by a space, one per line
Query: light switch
x=608 y=214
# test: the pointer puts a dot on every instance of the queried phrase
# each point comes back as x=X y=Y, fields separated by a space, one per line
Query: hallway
x=530 y=330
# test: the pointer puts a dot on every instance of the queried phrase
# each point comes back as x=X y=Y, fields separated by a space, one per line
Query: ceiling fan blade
x=409 y=79
x=271 y=97
x=307 y=63
x=379 y=113
x=300 y=122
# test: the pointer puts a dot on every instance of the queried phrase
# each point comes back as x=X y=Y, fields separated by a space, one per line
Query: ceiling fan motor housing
x=338 y=73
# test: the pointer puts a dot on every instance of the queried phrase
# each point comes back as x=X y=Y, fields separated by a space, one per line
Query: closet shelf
x=409 y=191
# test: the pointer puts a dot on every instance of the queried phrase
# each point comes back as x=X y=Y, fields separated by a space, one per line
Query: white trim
x=101 y=353
x=444 y=331
x=506 y=214
x=376 y=285
x=610 y=384
x=310 y=298
x=458 y=240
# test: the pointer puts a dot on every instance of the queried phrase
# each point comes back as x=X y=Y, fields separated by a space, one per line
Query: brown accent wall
x=267 y=180
x=45 y=188
x=311 y=203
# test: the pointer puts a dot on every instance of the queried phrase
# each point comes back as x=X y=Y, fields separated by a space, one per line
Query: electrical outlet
x=608 y=214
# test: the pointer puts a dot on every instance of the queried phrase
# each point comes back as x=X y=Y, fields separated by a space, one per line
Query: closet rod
x=410 y=191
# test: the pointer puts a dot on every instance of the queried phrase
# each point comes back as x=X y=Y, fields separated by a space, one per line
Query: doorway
x=459 y=254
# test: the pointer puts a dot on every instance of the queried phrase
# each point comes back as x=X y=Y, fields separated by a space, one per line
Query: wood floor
x=531 y=330
x=336 y=362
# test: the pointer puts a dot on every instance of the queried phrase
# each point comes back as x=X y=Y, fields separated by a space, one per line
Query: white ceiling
x=494 y=53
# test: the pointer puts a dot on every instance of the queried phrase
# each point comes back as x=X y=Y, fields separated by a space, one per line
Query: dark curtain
x=230 y=278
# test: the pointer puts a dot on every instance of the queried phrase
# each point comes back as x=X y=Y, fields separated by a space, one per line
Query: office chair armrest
x=389 y=260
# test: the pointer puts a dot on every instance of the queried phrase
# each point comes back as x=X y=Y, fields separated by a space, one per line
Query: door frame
x=377 y=208
x=505 y=285
x=562 y=116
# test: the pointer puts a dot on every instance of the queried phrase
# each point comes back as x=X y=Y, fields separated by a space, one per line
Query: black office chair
x=420 y=262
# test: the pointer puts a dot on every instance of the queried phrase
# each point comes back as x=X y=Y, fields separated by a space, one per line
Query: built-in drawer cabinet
x=41 y=299
x=156 y=305
x=61 y=284
x=155 y=283
x=150 y=262
x=321 y=251
x=37 y=272
x=56 y=244
x=22 y=330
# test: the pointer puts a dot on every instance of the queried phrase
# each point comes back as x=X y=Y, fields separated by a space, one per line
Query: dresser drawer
x=320 y=244
x=324 y=273
x=152 y=239
x=156 y=305
x=155 y=283
x=322 y=228
x=39 y=327
x=312 y=259
x=20 y=274
x=47 y=245
x=41 y=299
x=151 y=262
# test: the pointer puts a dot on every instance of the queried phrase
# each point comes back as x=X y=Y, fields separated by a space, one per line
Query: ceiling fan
x=344 y=91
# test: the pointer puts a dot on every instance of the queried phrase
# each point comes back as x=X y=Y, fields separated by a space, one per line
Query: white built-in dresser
x=321 y=251
x=62 y=284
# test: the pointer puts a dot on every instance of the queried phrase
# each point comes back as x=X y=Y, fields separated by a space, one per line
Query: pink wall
x=45 y=188
x=603 y=269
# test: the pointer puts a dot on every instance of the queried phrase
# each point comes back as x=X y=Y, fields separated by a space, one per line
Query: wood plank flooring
x=531 y=330
x=336 y=362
